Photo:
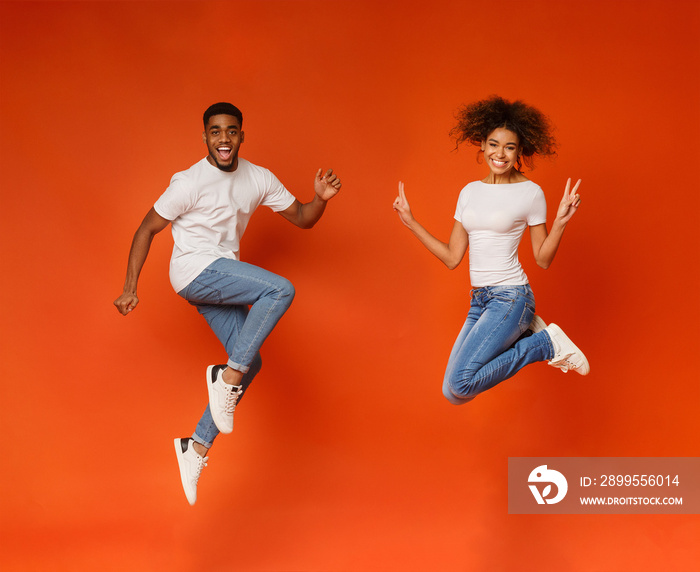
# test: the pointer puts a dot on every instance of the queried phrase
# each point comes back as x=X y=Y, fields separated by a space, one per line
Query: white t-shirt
x=210 y=209
x=495 y=217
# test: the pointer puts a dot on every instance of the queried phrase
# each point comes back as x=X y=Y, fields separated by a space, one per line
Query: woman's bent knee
x=454 y=398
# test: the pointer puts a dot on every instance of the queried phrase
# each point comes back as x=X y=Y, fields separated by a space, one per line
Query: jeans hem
x=237 y=366
x=197 y=439
x=550 y=346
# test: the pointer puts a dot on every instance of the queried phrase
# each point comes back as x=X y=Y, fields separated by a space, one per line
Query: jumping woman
x=501 y=334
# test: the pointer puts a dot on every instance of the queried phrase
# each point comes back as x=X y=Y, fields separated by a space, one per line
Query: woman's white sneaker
x=537 y=324
x=566 y=355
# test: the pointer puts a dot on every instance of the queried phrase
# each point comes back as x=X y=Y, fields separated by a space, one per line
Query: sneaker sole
x=217 y=422
x=180 y=465
x=537 y=324
x=585 y=368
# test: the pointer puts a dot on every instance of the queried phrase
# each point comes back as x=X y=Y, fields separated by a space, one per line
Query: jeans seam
x=267 y=315
x=265 y=318
x=470 y=382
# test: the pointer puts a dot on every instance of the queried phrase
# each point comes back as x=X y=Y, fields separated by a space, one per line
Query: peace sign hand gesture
x=402 y=208
x=569 y=203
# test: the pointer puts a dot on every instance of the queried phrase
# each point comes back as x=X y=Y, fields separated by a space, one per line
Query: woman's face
x=501 y=151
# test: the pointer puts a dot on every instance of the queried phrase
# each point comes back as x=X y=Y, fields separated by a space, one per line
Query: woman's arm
x=544 y=245
x=450 y=253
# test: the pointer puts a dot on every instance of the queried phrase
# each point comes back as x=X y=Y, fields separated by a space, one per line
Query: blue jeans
x=223 y=293
x=494 y=343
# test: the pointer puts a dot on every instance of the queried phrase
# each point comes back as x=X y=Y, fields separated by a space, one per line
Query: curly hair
x=479 y=119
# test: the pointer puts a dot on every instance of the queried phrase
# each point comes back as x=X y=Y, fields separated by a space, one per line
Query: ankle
x=200 y=449
x=232 y=376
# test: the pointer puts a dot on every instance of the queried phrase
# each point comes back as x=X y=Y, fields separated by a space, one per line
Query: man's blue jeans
x=494 y=343
x=223 y=293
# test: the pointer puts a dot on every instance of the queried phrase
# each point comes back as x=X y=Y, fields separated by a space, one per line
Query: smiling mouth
x=499 y=163
x=224 y=153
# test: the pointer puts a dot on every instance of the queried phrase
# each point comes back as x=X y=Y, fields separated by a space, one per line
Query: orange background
x=345 y=454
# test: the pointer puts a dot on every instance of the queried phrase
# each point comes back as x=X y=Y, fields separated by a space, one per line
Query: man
x=209 y=206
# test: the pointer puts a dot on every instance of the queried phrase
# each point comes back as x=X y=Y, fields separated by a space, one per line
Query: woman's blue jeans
x=242 y=304
x=494 y=343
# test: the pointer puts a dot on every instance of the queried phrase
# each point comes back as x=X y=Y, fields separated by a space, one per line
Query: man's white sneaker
x=566 y=355
x=222 y=398
x=191 y=465
x=537 y=324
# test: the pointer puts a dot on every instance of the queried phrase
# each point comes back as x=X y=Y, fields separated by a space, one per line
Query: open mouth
x=497 y=163
x=224 y=152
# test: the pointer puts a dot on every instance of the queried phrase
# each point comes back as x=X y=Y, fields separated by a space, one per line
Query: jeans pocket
x=197 y=292
x=526 y=317
x=506 y=295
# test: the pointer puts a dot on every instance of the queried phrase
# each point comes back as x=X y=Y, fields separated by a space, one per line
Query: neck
x=228 y=169
x=512 y=176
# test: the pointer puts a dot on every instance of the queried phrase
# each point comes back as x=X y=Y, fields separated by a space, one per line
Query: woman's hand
x=569 y=203
x=402 y=207
x=544 y=244
x=450 y=253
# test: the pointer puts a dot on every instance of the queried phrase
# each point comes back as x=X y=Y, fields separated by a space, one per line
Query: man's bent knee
x=285 y=291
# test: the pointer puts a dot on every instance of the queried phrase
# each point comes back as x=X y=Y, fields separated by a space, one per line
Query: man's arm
x=307 y=215
x=152 y=224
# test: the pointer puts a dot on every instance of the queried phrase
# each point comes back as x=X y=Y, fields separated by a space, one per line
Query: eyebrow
x=509 y=142
x=220 y=127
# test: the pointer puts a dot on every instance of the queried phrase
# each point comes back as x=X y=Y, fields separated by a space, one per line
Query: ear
x=483 y=145
x=204 y=136
x=242 y=136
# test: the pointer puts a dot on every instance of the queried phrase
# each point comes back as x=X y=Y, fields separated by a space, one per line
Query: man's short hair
x=222 y=108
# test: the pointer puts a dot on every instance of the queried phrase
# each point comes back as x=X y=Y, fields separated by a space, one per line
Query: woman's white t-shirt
x=495 y=217
x=210 y=209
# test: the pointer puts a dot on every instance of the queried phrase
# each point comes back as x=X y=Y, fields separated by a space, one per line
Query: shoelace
x=233 y=392
x=201 y=463
x=564 y=363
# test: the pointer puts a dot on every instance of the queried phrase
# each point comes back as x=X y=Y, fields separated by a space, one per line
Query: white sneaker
x=566 y=355
x=222 y=398
x=537 y=324
x=191 y=465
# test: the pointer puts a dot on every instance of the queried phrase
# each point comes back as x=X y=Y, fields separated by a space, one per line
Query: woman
x=501 y=333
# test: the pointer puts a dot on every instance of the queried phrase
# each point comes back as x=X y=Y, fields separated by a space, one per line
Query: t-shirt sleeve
x=538 y=210
x=176 y=199
x=277 y=197
x=461 y=201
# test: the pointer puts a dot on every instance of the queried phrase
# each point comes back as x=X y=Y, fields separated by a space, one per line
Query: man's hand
x=151 y=225
x=326 y=186
x=126 y=302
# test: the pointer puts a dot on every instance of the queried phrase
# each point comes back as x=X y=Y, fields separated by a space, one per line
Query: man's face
x=223 y=137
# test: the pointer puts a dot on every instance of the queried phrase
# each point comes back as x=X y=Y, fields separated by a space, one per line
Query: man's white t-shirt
x=210 y=209
x=495 y=217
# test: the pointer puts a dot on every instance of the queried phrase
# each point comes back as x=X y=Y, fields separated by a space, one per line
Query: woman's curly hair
x=479 y=119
